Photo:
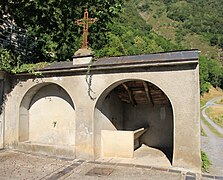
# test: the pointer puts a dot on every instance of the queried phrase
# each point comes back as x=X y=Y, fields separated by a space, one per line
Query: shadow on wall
x=151 y=109
x=47 y=116
x=52 y=90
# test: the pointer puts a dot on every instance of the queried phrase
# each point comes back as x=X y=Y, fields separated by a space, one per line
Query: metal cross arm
x=85 y=23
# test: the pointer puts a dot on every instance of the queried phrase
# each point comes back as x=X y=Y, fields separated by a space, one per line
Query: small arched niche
x=130 y=105
x=47 y=116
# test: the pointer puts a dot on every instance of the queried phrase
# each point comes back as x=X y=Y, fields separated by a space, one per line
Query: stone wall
x=180 y=86
x=4 y=88
x=158 y=119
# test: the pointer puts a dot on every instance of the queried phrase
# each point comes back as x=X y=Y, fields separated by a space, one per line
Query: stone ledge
x=52 y=150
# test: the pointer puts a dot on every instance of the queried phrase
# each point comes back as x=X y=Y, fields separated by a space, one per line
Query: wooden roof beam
x=132 y=100
x=148 y=95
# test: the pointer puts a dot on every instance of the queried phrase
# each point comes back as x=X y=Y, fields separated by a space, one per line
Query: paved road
x=212 y=144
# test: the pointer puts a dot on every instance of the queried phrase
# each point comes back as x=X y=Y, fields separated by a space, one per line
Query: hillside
x=193 y=24
x=130 y=35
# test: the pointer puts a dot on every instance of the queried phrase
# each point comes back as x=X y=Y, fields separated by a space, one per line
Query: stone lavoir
x=143 y=108
x=111 y=107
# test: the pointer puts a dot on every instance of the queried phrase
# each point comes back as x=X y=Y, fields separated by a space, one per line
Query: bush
x=214 y=41
x=5 y=60
x=144 y=7
x=211 y=73
x=205 y=162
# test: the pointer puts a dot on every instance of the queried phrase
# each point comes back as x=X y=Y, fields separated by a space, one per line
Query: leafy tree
x=211 y=73
x=5 y=60
x=221 y=42
x=198 y=16
x=204 y=75
x=214 y=41
x=51 y=22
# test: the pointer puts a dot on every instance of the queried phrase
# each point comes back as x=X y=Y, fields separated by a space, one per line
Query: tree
x=211 y=73
x=214 y=41
x=51 y=23
x=221 y=42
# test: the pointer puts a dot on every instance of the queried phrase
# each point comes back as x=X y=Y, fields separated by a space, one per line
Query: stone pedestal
x=83 y=56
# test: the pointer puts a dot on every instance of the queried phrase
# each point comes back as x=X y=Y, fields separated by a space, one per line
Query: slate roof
x=166 y=57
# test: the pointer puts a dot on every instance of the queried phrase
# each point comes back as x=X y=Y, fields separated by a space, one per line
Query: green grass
x=203 y=133
x=212 y=129
x=202 y=102
x=216 y=114
x=206 y=163
x=213 y=93
x=220 y=101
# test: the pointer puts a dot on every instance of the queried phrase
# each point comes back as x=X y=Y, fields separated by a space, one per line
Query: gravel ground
x=20 y=166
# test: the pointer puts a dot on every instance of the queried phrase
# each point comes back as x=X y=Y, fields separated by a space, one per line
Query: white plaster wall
x=113 y=109
x=109 y=117
x=181 y=87
x=158 y=118
x=51 y=117
x=117 y=143
x=1 y=112
x=4 y=89
x=114 y=114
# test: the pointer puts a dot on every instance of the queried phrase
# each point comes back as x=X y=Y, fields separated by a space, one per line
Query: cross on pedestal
x=85 y=22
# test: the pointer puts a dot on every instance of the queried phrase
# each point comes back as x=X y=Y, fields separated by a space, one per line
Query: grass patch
x=212 y=129
x=220 y=101
x=206 y=163
x=203 y=133
x=213 y=93
x=216 y=114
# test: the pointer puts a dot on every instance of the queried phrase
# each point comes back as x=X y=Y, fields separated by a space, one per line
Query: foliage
x=30 y=68
x=51 y=22
x=5 y=60
x=205 y=162
x=214 y=41
x=203 y=133
x=7 y=64
x=131 y=35
x=118 y=31
x=213 y=92
x=211 y=73
x=199 y=17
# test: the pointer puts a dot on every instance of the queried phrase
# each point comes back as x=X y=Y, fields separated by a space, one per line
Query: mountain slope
x=193 y=24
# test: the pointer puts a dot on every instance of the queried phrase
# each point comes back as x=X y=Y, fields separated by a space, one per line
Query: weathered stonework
x=4 y=88
x=58 y=113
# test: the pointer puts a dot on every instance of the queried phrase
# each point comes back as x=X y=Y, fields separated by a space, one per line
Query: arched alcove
x=130 y=105
x=47 y=116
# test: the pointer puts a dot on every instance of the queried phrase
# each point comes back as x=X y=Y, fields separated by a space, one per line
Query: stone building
x=111 y=107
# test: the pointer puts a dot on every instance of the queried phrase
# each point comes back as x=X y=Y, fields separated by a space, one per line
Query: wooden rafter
x=132 y=100
x=148 y=95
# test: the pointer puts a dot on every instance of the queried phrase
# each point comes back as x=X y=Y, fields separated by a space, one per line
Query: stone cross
x=85 y=22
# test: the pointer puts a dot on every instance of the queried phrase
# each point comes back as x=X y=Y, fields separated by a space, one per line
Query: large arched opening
x=131 y=105
x=47 y=116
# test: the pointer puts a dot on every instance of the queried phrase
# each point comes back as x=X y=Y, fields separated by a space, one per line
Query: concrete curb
x=188 y=175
